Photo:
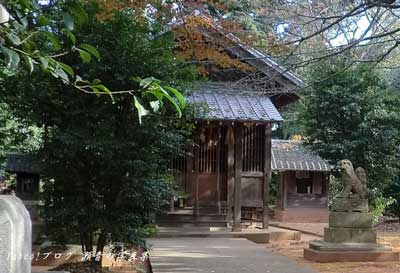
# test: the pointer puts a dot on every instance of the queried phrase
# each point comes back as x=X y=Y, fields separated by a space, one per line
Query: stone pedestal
x=350 y=205
x=350 y=236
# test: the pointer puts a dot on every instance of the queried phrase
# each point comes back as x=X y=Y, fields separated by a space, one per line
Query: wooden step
x=208 y=220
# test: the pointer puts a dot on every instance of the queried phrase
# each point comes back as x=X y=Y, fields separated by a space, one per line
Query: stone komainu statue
x=355 y=181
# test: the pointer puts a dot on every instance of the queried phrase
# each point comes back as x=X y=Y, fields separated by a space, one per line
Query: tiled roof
x=22 y=163
x=291 y=155
x=227 y=102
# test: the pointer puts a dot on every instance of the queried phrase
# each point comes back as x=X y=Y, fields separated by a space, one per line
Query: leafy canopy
x=38 y=35
x=104 y=172
x=17 y=135
x=349 y=113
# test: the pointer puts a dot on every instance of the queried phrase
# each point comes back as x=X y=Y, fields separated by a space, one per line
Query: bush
x=393 y=191
x=379 y=203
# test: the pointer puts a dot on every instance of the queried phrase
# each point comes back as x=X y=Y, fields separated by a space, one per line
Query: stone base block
x=350 y=256
x=348 y=247
x=350 y=204
x=350 y=235
x=268 y=237
x=350 y=220
x=277 y=236
x=302 y=215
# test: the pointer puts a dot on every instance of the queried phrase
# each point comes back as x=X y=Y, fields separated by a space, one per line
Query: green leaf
x=146 y=82
x=78 y=79
x=53 y=39
x=66 y=68
x=91 y=49
x=68 y=21
x=13 y=38
x=29 y=62
x=86 y=57
x=136 y=79
x=77 y=11
x=103 y=88
x=22 y=18
x=95 y=90
x=177 y=94
x=156 y=93
x=96 y=81
x=171 y=100
x=71 y=36
x=45 y=62
x=59 y=73
x=12 y=57
x=43 y=21
x=141 y=109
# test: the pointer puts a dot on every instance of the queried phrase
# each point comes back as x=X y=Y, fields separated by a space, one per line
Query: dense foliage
x=350 y=113
x=105 y=172
x=16 y=135
x=393 y=190
x=39 y=35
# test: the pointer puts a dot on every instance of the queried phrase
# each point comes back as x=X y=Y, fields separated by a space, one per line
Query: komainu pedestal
x=350 y=222
x=350 y=236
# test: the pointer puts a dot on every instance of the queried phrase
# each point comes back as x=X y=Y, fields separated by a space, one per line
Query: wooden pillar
x=328 y=181
x=238 y=178
x=189 y=172
x=218 y=168
x=230 y=142
x=19 y=183
x=281 y=192
x=189 y=166
x=196 y=201
x=267 y=174
x=195 y=185
x=323 y=184
x=172 y=204
x=285 y=192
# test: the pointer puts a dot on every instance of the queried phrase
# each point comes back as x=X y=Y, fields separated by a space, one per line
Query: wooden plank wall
x=253 y=149
x=253 y=165
x=211 y=147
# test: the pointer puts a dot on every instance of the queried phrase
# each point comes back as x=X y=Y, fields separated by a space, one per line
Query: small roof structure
x=293 y=156
x=229 y=102
x=266 y=60
x=22 y=163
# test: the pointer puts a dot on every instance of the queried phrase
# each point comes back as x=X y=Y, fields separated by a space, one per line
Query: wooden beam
x=238 y=178
x=281 y=192
x=328 y=181
x=285 y=193
x=196 y=183
x=172 y=204
x=189 y=167
x=267 y=174
x=218 y=168
x=231 y=173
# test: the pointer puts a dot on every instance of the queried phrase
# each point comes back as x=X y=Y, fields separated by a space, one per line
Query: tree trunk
x=87 y=245
x=87 y=239
x=101 y=243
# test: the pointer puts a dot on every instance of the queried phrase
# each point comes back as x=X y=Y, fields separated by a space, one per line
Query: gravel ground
x=388 y=225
